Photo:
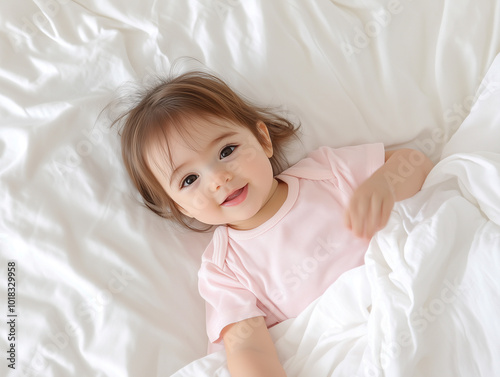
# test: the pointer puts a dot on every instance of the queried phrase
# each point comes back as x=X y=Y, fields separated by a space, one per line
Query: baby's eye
x=226 y=151
x=189 y=180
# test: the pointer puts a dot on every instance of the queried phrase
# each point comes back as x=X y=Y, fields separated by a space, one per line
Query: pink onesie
x=280 y=267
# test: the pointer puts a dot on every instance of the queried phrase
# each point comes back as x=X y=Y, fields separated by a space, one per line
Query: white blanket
x=426 y=302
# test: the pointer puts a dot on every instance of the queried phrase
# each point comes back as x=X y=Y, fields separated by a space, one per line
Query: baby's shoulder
x=216 y=250
x=315 y=166
x=331 y=163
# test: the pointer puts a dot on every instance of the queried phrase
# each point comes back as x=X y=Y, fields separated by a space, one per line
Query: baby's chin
x=251 y=221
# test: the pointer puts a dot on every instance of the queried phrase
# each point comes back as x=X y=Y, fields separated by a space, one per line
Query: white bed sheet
x=103 y=286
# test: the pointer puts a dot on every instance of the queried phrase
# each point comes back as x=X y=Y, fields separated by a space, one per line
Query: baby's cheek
x=249 y=153
x=235 y=167
x=199 y=202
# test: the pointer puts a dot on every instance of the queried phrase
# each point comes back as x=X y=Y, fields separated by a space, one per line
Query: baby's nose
x=219 y=179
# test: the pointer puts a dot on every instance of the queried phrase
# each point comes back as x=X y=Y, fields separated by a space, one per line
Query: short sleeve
x=353 y=165
x=227 y=300
x=348 y=166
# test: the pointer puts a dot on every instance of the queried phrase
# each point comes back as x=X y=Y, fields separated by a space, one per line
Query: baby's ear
x=264 y=132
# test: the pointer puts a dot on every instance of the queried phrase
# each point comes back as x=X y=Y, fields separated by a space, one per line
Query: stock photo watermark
x=74 y=155
x=371 y=29
x=454 y=116
x=457 y=112
x=222 y=7
x=295 y=276
x=32 y=25
x=406 y=168
x=420 y=319
x=242 y=331
x=12 y=320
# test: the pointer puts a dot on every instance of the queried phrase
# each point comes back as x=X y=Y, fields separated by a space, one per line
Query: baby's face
x=219 y=174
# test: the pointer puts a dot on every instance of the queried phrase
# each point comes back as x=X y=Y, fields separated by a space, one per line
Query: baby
x=198 y=153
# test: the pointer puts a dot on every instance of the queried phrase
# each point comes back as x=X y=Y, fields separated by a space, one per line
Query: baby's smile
x=236 y=197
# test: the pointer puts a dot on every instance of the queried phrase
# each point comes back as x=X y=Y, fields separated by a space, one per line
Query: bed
x=94 y=284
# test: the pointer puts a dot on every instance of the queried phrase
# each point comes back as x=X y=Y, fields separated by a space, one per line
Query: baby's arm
x=399 y=178
x=250 y=350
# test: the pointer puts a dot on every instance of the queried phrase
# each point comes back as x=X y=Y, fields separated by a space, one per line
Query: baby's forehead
x=195 y=133
x=169 y=145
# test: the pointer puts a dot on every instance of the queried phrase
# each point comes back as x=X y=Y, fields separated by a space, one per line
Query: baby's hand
x=370 y=207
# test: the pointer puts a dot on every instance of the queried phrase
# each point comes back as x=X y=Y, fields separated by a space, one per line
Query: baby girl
x=200 y=154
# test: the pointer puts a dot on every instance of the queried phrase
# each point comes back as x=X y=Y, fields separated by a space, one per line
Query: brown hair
x=173 y=101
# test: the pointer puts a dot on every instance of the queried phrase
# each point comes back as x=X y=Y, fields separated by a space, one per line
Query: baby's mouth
x=236 y=197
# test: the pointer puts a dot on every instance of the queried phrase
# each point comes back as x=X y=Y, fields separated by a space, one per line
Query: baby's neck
x=269 y=209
